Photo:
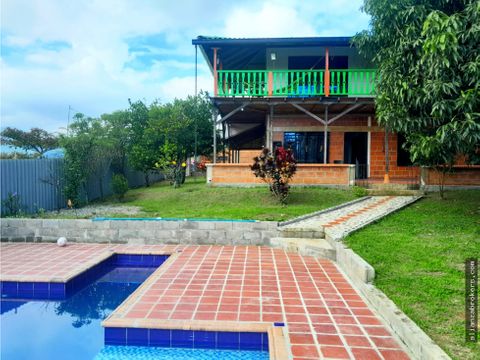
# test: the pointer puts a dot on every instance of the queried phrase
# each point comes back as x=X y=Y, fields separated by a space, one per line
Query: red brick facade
x=316 y=174
x=307 y=174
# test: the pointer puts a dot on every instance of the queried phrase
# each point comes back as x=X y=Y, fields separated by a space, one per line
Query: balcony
x=295 y=83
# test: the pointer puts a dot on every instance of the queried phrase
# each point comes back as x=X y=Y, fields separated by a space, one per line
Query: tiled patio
x=324 y=316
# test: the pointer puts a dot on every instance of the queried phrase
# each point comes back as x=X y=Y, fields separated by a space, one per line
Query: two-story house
x=314 y=95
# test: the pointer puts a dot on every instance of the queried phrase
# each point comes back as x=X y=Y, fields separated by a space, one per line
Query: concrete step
x=394 y=192
x=394 y=186
x=319 y=248
x=301 y=232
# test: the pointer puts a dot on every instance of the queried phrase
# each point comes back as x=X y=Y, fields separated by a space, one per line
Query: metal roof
x=290 y=41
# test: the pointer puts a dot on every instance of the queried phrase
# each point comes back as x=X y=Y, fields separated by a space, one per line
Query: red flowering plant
x=276 y=170
x=201 y=166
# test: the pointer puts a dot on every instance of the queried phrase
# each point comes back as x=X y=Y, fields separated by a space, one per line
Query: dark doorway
x=307 y=146
x=316 y=62
x=355 y=149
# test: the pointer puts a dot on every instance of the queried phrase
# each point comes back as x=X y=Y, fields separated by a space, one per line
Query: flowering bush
x=173 y=171
x=201 y=166
x=276 y=170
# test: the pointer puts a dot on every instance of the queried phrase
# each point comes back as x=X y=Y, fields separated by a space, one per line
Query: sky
x=93 y=55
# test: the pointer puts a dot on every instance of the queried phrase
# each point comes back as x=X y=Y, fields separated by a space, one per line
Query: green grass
x=195 y=199
x=418 y=255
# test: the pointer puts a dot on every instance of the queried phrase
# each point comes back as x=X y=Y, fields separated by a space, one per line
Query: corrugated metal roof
x=289 y=41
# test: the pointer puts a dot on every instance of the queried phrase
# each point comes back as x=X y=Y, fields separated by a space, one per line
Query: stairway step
x=304 y=233
x=319 y=248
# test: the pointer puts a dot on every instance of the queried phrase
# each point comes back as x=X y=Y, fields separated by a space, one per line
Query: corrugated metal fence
x=39 y=183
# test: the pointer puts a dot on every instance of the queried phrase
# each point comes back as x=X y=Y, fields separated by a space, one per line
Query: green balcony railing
x=294 y=83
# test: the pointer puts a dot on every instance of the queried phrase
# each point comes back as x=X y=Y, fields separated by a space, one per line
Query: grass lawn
x=418 y=254
x=195 y=199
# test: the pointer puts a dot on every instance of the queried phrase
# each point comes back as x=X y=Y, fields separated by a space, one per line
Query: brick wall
x=246 y=156
x=462 y=175
x=377 y=158
x=307 y=174
x=336 y=146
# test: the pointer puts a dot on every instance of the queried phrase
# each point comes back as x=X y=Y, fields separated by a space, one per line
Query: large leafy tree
x=175 y=132
x=428 y=60
x=143 y=148
x=88 y=152
x=36 y=140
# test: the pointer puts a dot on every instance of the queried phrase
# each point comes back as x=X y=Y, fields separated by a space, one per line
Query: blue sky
x=93 y=55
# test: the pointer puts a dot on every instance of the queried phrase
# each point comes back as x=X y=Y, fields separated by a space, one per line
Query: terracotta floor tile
x=329 y=340
x=376 y=330
x=301 y=338
x=394 y=355
x=357 y=340
x=365 y=354
x=304 y=351
x=334 y=352
x=385 y=342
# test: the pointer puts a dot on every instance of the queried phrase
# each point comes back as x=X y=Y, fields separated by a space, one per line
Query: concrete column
x=325 y=136
x=369 y=145
x=214 y=120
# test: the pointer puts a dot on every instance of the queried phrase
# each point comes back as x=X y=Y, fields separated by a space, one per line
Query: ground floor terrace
x=336 y=141
x=297 y=307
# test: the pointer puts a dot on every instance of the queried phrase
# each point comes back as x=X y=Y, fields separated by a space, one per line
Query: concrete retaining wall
x=139 y=232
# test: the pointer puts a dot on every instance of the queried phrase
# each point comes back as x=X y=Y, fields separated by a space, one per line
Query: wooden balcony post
x=386 y=177
x=327 y=75
x=270 y=83
x=215 y=73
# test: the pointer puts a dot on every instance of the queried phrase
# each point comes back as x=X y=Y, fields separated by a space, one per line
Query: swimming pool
x=71 y=328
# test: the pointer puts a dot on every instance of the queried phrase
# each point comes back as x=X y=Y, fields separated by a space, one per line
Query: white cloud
x=92 y=69
x=271 y=20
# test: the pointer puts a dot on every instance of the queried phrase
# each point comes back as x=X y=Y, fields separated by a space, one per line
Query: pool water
x=71 y=328
x=144 y=353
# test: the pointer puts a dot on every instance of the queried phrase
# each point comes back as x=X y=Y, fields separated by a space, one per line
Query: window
x=307 y=146
x=403 y=156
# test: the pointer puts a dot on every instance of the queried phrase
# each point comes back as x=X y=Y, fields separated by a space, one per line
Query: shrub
x=359 y=191
x=276 y=170
x=12 y=205
x=119 y=186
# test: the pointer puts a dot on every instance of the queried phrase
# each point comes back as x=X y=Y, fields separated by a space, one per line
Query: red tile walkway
x=324 y=316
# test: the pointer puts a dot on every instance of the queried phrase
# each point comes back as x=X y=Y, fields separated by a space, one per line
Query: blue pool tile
x=204 y=339
x=228 y=340
x=182 y=338
x=137 y=337
x=265 y=341
x=122 y=259
x=250 y=341
x=41 y=290
x=135 y=260
x=57 y=290
x=115 y=336
x=159 y=337
x=9 y=288
x=25 y=289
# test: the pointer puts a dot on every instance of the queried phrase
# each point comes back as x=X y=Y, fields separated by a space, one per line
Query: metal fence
x=38 y=183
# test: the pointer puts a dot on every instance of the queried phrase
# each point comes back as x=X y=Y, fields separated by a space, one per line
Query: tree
x=428 y=81
x=181 y=126
x=119 y=131
x=88 y=151
x=143 y=144
x=37 y=140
